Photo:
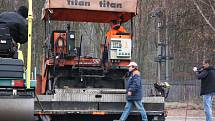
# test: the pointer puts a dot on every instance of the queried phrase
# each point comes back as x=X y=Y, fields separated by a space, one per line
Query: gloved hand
x=194 y=69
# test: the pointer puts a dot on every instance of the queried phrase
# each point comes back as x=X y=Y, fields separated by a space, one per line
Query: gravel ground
x=185 y=112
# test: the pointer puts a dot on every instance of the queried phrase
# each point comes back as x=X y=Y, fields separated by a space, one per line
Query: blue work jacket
x=134 y=85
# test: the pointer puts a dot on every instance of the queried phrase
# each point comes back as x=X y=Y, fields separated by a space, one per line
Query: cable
x=39 y=101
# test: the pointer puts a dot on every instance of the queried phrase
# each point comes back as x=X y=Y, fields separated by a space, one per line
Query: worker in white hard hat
x=133 y=93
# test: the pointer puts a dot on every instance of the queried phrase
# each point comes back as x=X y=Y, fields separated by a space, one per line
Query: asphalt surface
x=183 y=118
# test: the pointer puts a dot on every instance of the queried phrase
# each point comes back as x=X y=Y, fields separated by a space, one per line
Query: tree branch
x=207 y=21
x=204 y=2
x=211 y=5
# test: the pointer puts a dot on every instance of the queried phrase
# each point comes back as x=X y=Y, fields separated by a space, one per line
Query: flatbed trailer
x=94 y=102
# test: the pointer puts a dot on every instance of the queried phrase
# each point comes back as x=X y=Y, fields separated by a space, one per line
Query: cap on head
x=23 y=10
x=132 y=64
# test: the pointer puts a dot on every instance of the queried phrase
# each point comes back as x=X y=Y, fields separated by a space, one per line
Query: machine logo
x=78 y=2
x=108 y=4
x=102 y=3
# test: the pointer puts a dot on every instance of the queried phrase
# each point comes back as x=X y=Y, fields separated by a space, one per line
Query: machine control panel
x=120 y=48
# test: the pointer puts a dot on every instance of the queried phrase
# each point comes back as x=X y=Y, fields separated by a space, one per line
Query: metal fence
x=178 y=92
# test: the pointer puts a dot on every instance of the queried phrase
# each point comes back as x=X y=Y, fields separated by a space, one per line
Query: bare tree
x=208 y=22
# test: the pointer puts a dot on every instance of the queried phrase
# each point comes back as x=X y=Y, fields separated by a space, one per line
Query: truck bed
x=92 y=101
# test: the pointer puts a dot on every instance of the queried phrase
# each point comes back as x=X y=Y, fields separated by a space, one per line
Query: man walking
x=133 y=93
x=207 y=77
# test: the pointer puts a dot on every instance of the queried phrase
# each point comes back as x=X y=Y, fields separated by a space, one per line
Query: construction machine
x=16 y=85
x=76 y=87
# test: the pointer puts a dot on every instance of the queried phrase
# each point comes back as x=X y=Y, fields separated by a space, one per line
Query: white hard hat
x=132 y=64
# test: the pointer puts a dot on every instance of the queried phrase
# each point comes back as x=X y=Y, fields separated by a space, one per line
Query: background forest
x=187 y=29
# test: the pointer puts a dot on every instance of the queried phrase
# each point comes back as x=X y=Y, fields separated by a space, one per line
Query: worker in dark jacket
x=207 y=76
x=133 y=93
x=17 y=24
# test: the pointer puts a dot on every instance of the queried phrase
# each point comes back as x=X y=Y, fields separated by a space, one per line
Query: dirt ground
x=185 y=109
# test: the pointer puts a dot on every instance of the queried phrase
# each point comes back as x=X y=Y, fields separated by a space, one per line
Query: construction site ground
x=185 y=111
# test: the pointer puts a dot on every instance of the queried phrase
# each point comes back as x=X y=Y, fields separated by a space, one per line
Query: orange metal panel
x=121 y=36
x=74 y=61
x=86 y=16
x=58 y=36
